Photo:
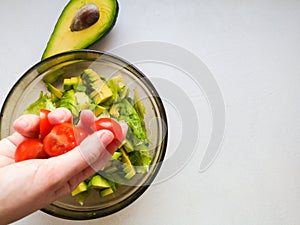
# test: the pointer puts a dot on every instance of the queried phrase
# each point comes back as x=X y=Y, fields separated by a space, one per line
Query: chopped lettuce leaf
x=141 y=159
x=118 y=88
x=69 y=101
x=43 y=102
x=132 y=118
x=138 y=105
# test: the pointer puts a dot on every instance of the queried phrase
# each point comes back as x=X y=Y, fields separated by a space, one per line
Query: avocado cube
x=98 y=182
x=80 y=188
x=102 y=95
x=106 y=192
x=128 y=146
x=81 y=197
x=98 y=110
x=116 y=155
x=67 y=85
x=75 y=81
x=99 y=91
x=129 y=170
x=53 y=90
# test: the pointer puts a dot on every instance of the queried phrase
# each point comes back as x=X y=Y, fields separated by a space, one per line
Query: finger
x=27 y=125
x=93 y=162
x=60 y=115
x=124 y=127
x=16 y=139
x=103 y=158
x=77 y=160
x=8 y=147
x=7 y=152
x=73 y=182
x=5 y=161
x=87 y=121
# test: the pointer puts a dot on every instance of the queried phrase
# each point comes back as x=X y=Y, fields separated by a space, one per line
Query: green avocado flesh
x=63 y=39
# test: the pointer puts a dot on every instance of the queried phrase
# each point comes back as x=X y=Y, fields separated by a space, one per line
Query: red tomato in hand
x=30 y=149
x=63 y=138
x=45 y=125
x=115 y=128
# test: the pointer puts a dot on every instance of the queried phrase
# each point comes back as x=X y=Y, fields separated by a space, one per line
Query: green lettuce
x=132 y=118
x=43 y=102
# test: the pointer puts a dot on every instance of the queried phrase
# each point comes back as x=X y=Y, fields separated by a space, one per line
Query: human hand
x=33 y=184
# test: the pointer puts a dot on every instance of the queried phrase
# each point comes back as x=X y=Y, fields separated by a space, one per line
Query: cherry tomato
x=45 y=125
x=115 y=128
x=30 y=149
x=63 y=138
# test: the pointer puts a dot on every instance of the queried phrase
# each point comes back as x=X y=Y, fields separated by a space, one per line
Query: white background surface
x=252 y=48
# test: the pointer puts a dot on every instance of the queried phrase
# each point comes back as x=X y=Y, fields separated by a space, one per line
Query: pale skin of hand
x=30 y=185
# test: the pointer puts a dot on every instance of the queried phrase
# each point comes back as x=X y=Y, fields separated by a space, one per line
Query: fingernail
x=60 y=115
x=105 y=136
x=24 y=123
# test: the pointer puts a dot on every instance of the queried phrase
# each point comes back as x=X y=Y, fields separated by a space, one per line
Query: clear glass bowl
x=27 y=90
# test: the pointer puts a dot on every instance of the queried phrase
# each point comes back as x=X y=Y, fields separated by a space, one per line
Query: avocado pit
x=85 y=17
x=80 y=24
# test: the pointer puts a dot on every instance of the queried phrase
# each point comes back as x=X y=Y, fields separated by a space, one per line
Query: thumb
x=94 y=147
x=84 y=155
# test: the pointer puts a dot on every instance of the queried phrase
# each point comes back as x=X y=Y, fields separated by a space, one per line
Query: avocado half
x=65 y=38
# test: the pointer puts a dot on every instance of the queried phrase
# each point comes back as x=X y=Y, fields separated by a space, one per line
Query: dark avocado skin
x=63 y=39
